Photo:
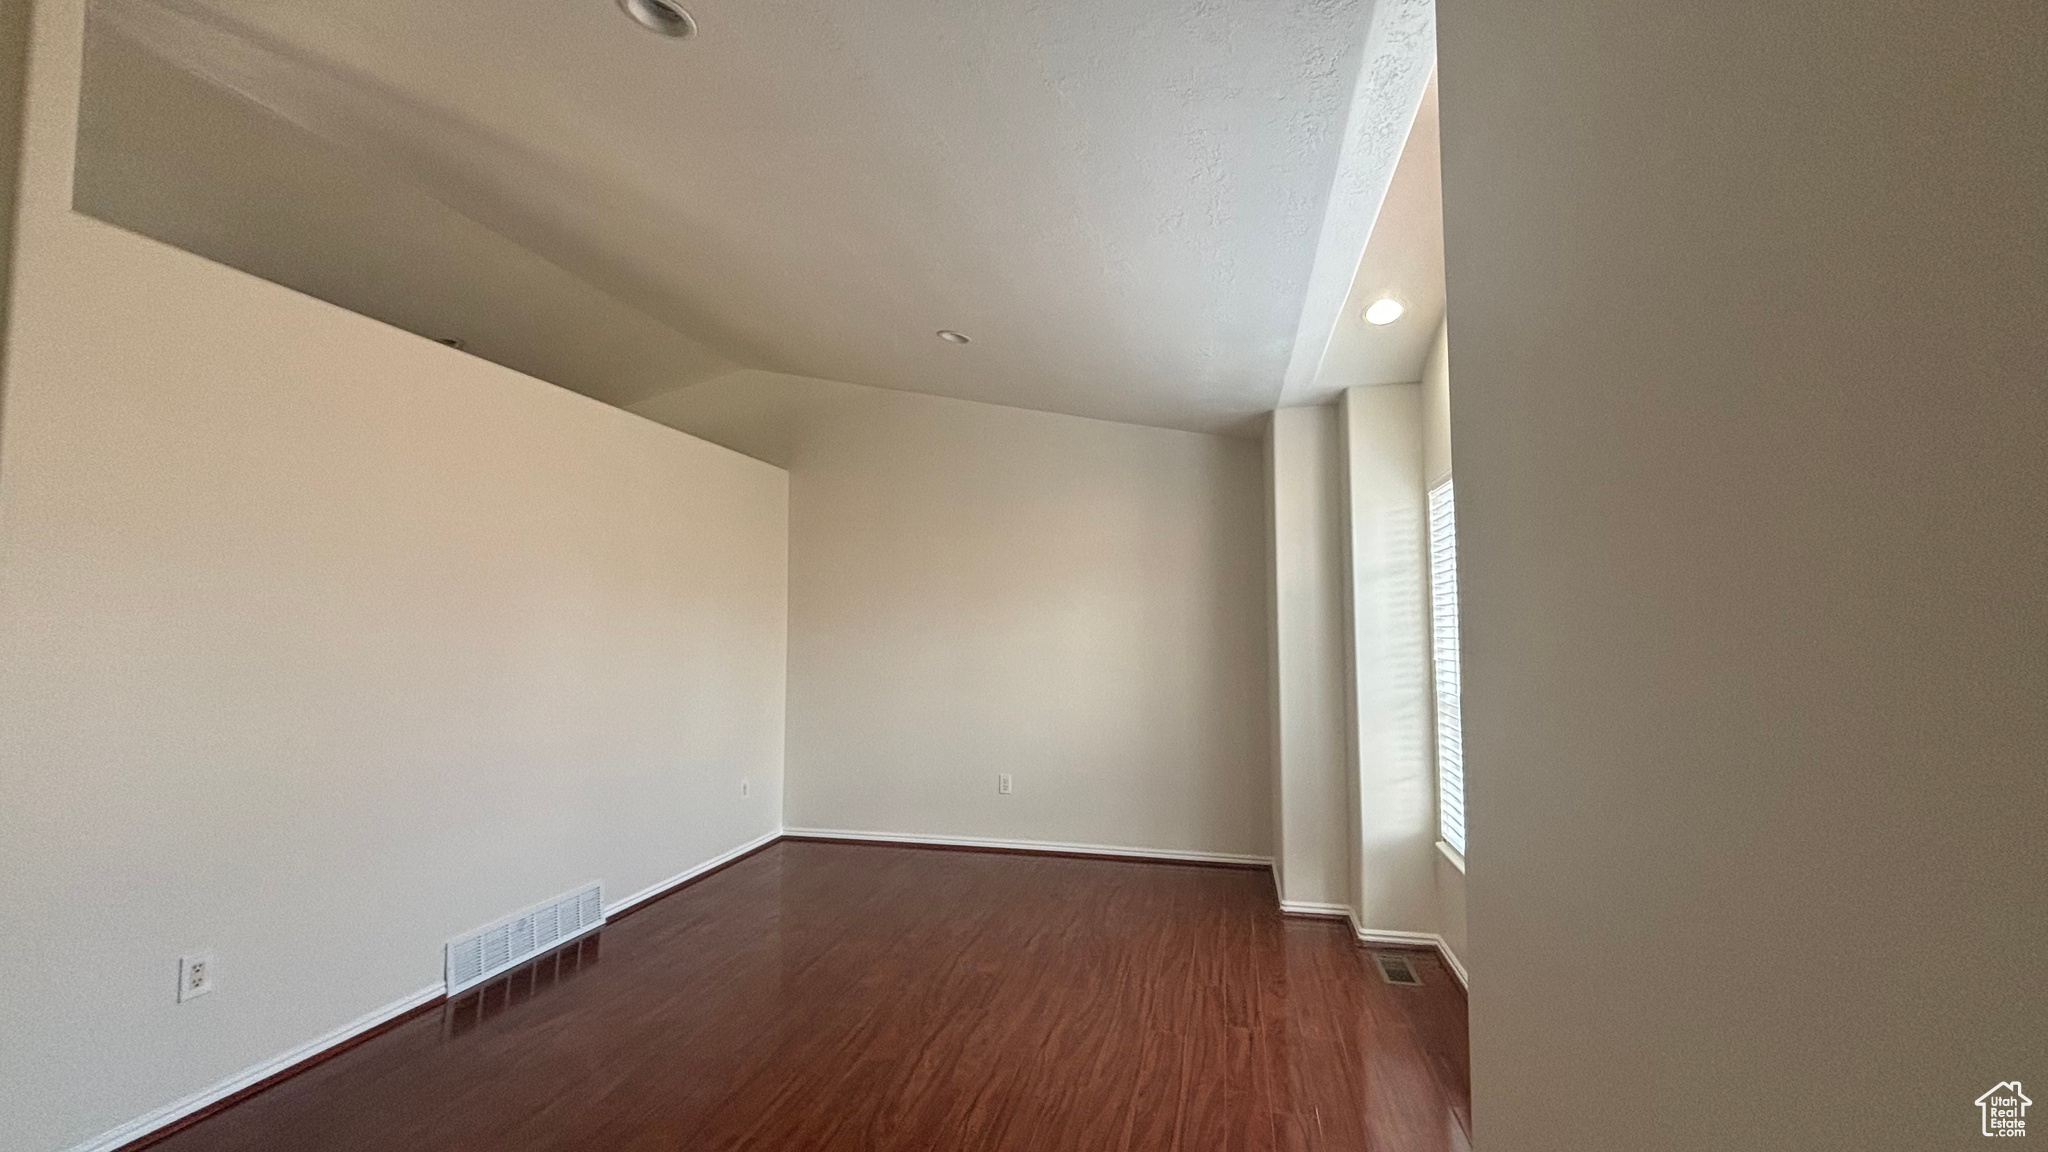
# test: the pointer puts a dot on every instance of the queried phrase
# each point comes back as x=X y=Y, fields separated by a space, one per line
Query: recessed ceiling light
x=660 y=16
x=1385 y=310
x=952 y=337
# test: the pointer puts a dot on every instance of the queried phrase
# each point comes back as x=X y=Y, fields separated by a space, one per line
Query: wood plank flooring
x=856 y=997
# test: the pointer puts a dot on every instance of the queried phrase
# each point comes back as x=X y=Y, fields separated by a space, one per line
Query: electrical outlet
x=1002 y=783
x=195 y=975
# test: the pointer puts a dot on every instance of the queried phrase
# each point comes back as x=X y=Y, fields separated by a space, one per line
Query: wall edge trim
x=1414 y=940
x=182 y=1113
x=1043 y=847
x=1320 y=910
x=178 y=1114
x=630 y=904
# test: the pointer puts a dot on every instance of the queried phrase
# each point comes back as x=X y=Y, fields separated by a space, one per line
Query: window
x=1443 y=628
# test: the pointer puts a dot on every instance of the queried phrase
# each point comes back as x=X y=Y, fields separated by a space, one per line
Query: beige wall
x=1436 y=408
x=320 y=644
x=1752 y=446
x=1436 y=464
x=977 y=589
x=1313 y=847
x=1355 y=785
x=1388 y=599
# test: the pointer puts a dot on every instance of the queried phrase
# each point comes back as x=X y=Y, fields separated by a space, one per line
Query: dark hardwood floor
x=856 y=997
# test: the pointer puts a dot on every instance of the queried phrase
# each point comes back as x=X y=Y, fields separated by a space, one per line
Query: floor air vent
x=1395 y=969
x=486 y=952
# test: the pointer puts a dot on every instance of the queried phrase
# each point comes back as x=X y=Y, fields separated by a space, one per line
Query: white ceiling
x=1404 y=260
x=163 y=152
x=1122 y=203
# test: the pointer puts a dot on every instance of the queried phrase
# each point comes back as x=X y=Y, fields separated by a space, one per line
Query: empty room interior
x=682 y=574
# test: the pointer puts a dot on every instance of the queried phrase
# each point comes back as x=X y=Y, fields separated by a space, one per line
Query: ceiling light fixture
x=660 y=16
x=952 y=337
x=1385 y=310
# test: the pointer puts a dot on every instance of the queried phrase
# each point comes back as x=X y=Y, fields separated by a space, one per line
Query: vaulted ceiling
x=1404 y=261
x=1135 y=210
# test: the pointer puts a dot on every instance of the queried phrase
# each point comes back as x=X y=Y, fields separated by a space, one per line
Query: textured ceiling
x=1399 y=54
x=1123 y=204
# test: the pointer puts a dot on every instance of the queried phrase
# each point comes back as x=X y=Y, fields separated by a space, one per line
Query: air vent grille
x=1395 y=968
x=484 y=953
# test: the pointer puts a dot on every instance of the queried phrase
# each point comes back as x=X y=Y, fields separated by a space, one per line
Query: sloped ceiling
x=164 y=152
x=1122 y=204
x=1403 y=260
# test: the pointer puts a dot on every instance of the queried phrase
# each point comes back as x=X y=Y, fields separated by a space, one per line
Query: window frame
x=1446 y=676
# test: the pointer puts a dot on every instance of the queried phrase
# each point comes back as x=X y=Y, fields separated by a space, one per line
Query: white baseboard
x=1301 y=907
x=689 y=874
x=1456 y=965
x=1415 y=940
x=1376 y=935
x=179 y=1109
x=1186 y=857
x=1313 y=908
x=1390 y=936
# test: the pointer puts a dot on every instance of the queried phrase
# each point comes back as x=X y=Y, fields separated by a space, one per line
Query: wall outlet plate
x=195 y=975
x=1002 y=783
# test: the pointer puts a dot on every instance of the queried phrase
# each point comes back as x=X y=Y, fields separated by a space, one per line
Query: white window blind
x=1443 y=607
